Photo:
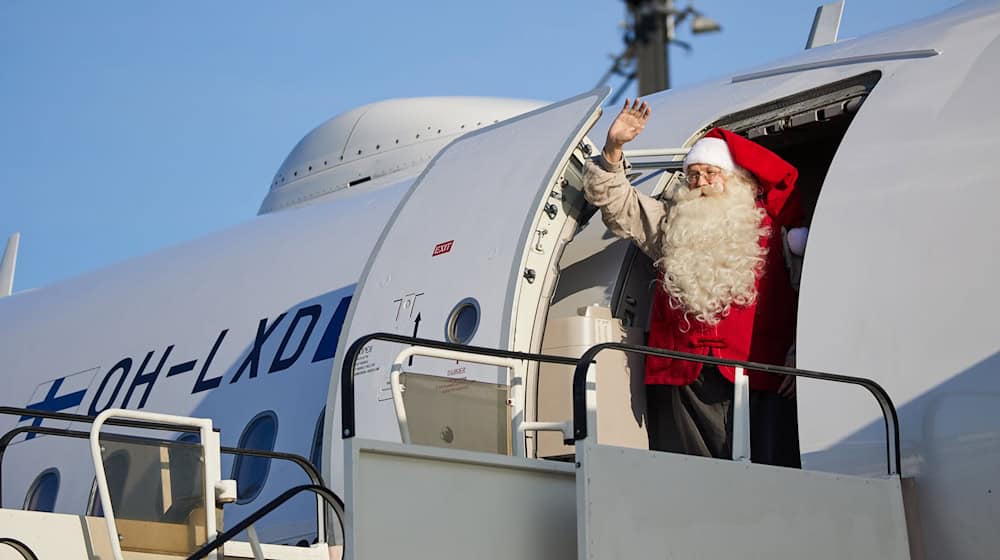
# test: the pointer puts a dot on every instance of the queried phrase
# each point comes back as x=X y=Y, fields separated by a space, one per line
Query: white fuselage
x=896 y=284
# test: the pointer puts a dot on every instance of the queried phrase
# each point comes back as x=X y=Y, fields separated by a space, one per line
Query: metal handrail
x=893 y=459
x=142 y=424
x=582 y=364
x=20 y=547
x=322 y=491
x=311 y=471
x=211 y=465
x=347 y=371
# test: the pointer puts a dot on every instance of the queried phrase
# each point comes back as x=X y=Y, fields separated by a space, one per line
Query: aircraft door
x=466 y=258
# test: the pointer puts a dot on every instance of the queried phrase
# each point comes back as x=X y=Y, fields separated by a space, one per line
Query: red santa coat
x=761 y=332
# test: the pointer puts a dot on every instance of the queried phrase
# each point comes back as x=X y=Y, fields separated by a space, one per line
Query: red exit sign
x=442 y=248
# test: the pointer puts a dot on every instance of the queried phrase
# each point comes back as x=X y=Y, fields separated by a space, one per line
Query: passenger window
x=463 y=321
x=185 y=476
x=249 y=472
x=188 y=437
x=42 y=494
x=116 y=470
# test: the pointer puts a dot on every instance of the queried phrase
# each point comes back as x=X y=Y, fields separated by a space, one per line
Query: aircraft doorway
x=606 y=284
x=806 y=129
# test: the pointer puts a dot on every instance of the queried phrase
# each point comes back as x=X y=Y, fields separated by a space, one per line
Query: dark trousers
x=697 y=419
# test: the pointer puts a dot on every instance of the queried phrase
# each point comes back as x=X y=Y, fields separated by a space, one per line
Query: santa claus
x=720 y=241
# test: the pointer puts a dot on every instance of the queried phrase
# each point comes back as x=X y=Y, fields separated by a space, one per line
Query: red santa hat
x=728 y=150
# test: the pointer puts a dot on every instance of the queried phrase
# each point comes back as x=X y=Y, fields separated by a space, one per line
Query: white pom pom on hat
x=710 y=151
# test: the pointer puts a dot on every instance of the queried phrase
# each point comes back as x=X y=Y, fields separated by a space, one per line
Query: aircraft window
x=188 y=437
x=463 y=321
x=185 y=467
x=116 y=470
x=316 y=453
x=250 y=473
x=42 y=494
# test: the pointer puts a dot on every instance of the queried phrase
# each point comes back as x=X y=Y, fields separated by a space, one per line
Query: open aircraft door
x=470 y=256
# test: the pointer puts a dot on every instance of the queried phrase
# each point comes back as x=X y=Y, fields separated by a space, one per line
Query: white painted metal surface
x=656 y=152
x=858 y=61
x=236 y=550
x=897 y=284
x=642 y=504
x=896 y=276
x=8 y=263
x=741 y=416
x=52 y=535
x=620 y=388
x=61 y=536
x=422 y=502
x=515 y=380
x=254 y=542
x=591 y=402
x=826 y=25
x=564 y=428
x=209 y=441
x=462 y=232
x=199 y=306
x=380 y=142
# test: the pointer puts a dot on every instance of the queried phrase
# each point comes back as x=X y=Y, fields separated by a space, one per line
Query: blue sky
x=127 y=126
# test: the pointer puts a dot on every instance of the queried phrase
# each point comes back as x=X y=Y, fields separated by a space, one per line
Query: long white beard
x=712 y=252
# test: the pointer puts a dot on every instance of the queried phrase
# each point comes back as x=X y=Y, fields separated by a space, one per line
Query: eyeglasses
x=695 y=176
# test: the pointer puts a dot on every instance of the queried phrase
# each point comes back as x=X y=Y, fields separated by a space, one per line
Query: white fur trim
x=711 y=151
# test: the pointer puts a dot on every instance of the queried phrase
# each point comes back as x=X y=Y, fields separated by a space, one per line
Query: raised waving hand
x=627 y=125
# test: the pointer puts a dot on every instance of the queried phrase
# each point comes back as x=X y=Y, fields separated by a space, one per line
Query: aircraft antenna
x=7 y=264
x=826 y=25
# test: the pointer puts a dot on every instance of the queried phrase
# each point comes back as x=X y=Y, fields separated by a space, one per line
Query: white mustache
x=710 y=189
x=713 y=188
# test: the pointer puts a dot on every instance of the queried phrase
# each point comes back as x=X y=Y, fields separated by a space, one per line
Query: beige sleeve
x=628 y=213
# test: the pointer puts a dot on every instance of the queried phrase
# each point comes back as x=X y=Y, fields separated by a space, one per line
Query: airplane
x=461 y=220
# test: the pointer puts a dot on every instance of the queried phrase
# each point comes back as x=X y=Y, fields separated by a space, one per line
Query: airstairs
x=157 y=506
x=609 y=502
x=413 y=500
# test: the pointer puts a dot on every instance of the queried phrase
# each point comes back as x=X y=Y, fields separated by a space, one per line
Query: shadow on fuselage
x=950 y=443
